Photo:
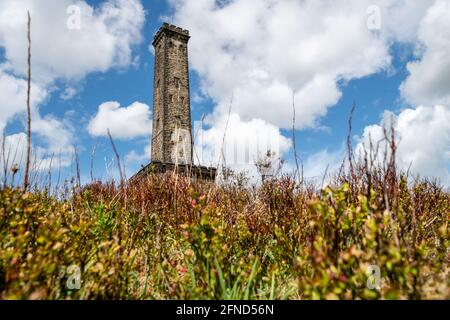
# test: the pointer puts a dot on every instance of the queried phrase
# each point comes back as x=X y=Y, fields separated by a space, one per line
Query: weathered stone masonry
x=172 y=134
x=172 y=141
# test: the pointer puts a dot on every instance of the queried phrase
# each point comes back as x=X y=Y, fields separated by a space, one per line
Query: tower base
x=193 y=171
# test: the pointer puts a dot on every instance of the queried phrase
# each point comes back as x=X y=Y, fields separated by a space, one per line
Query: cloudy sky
x=93 y=69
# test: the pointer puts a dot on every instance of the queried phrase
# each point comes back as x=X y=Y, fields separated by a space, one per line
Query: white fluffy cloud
x=322 y=162
x=68 y=93
x=429 y=79
x=401 y=18
x=51 y=136
x=123 y=122
x=272 y=48
x=134 y=160
x=103 y=41
x=56 y=137
x=13 y=97
x=13 y=153
x=245 y=142
x=12 y=150
x=275 y=47
x=424 y=131
x=423 y=137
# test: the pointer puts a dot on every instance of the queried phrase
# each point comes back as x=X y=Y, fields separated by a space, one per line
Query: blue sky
x=375 y=85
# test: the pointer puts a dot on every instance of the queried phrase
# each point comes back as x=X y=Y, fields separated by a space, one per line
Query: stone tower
x=172 y=146
x=172 y=129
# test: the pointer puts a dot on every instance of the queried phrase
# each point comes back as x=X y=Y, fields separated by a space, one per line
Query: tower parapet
x=168 y=29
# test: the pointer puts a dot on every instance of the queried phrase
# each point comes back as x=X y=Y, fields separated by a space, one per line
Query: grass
x=168 y=237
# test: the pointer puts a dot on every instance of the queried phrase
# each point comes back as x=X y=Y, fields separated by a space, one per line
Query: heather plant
x=171 y=237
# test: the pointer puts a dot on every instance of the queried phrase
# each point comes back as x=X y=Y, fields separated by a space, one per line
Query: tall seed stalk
x=27 y=163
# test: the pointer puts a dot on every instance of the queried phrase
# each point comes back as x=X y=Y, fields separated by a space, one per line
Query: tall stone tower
x=172 y=146
x=172 y=128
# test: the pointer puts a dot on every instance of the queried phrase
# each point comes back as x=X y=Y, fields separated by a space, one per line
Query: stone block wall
x=172 y=129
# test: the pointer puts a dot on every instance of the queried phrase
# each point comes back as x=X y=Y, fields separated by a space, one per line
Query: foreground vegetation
x=172 y=238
